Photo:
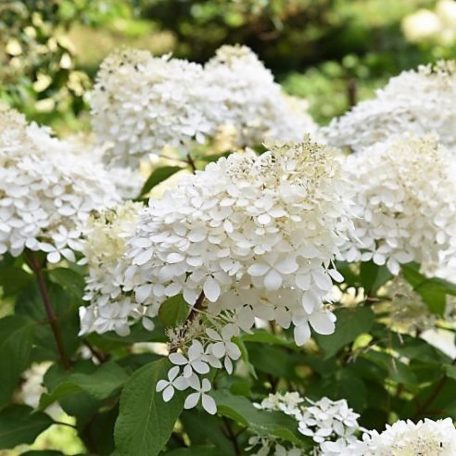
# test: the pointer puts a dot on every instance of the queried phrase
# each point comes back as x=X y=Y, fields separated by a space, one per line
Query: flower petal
x=209 y=404
x=211 y=289
x=168 y=393
x=192 y=400
x=287 y=266
x=322 y=322
x=258 y=269
x=161 y=385
x=218 y=349
x=178 y=358
x=273 y=280
x=302 y=333
x=200 y=367
x=181 y=383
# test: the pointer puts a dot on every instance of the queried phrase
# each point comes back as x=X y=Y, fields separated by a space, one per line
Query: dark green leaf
x=16 y=339
x=261 y=422
x=13 y=279
x=66 y=307
x=111 y=341
x=274 y=360
x=101 y=428
x=79 y=404
x=157 y=176
x=18 y=425
x=145 y=422
x=432 y=290
x=194 y=451
x=450 y=371
x=69 y=280
x=265 y=337
x=173 y=311
x=397 y=370
x=372 y=276
x=203 y=429
x=100 y=384
x=350 y=324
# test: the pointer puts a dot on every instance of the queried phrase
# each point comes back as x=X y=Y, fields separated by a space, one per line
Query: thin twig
x=232 y=436
x=37 y=268
x=62 y=423
x=100 y=356
x=176 y=159
x=431 y=398
x=196 y=307
x=191 y=162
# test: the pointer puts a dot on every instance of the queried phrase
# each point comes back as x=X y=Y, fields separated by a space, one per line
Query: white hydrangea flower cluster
x=332 y=425
x=140 y=103
x=404 y=202
x=265 y=446
x=402 y=106
x=255 y=235
x=211 y=346
x=251 y=236
x=127 y=181
x=106 y=235
x=252 y=102
x=427 y=437
x=47 y=190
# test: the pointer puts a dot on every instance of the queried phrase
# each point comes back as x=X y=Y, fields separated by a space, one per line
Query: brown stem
x=232 y=436
x=191 y=162
x=431 y=398
x=352 y=92
x=37 y=268
x=100 y=356
x=197 y=307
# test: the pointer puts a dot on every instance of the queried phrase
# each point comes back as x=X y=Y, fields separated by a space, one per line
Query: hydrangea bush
x=281 y=295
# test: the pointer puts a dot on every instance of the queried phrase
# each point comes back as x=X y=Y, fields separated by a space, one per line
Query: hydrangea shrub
x=280 y=295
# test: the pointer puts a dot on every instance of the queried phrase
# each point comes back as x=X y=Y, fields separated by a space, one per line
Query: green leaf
x=203 y=429
x=43 y=453
x=145 y=422
x=432 y=290
x=16 y=339
x=69 y=280
x=372 y=276
x=100 y=384
x=78 y=404
x=198 y=450
x=397 y=370
x=157 y=176
x=274 y=360
x=262 y=336
x=212 y=157
x=18 y=425
x=260 y=422
x=173 y=311
x=13 y=279
x=66 y=306
x=450 y=371
x=350 y=324
x=101 y=428
x=111 y=341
